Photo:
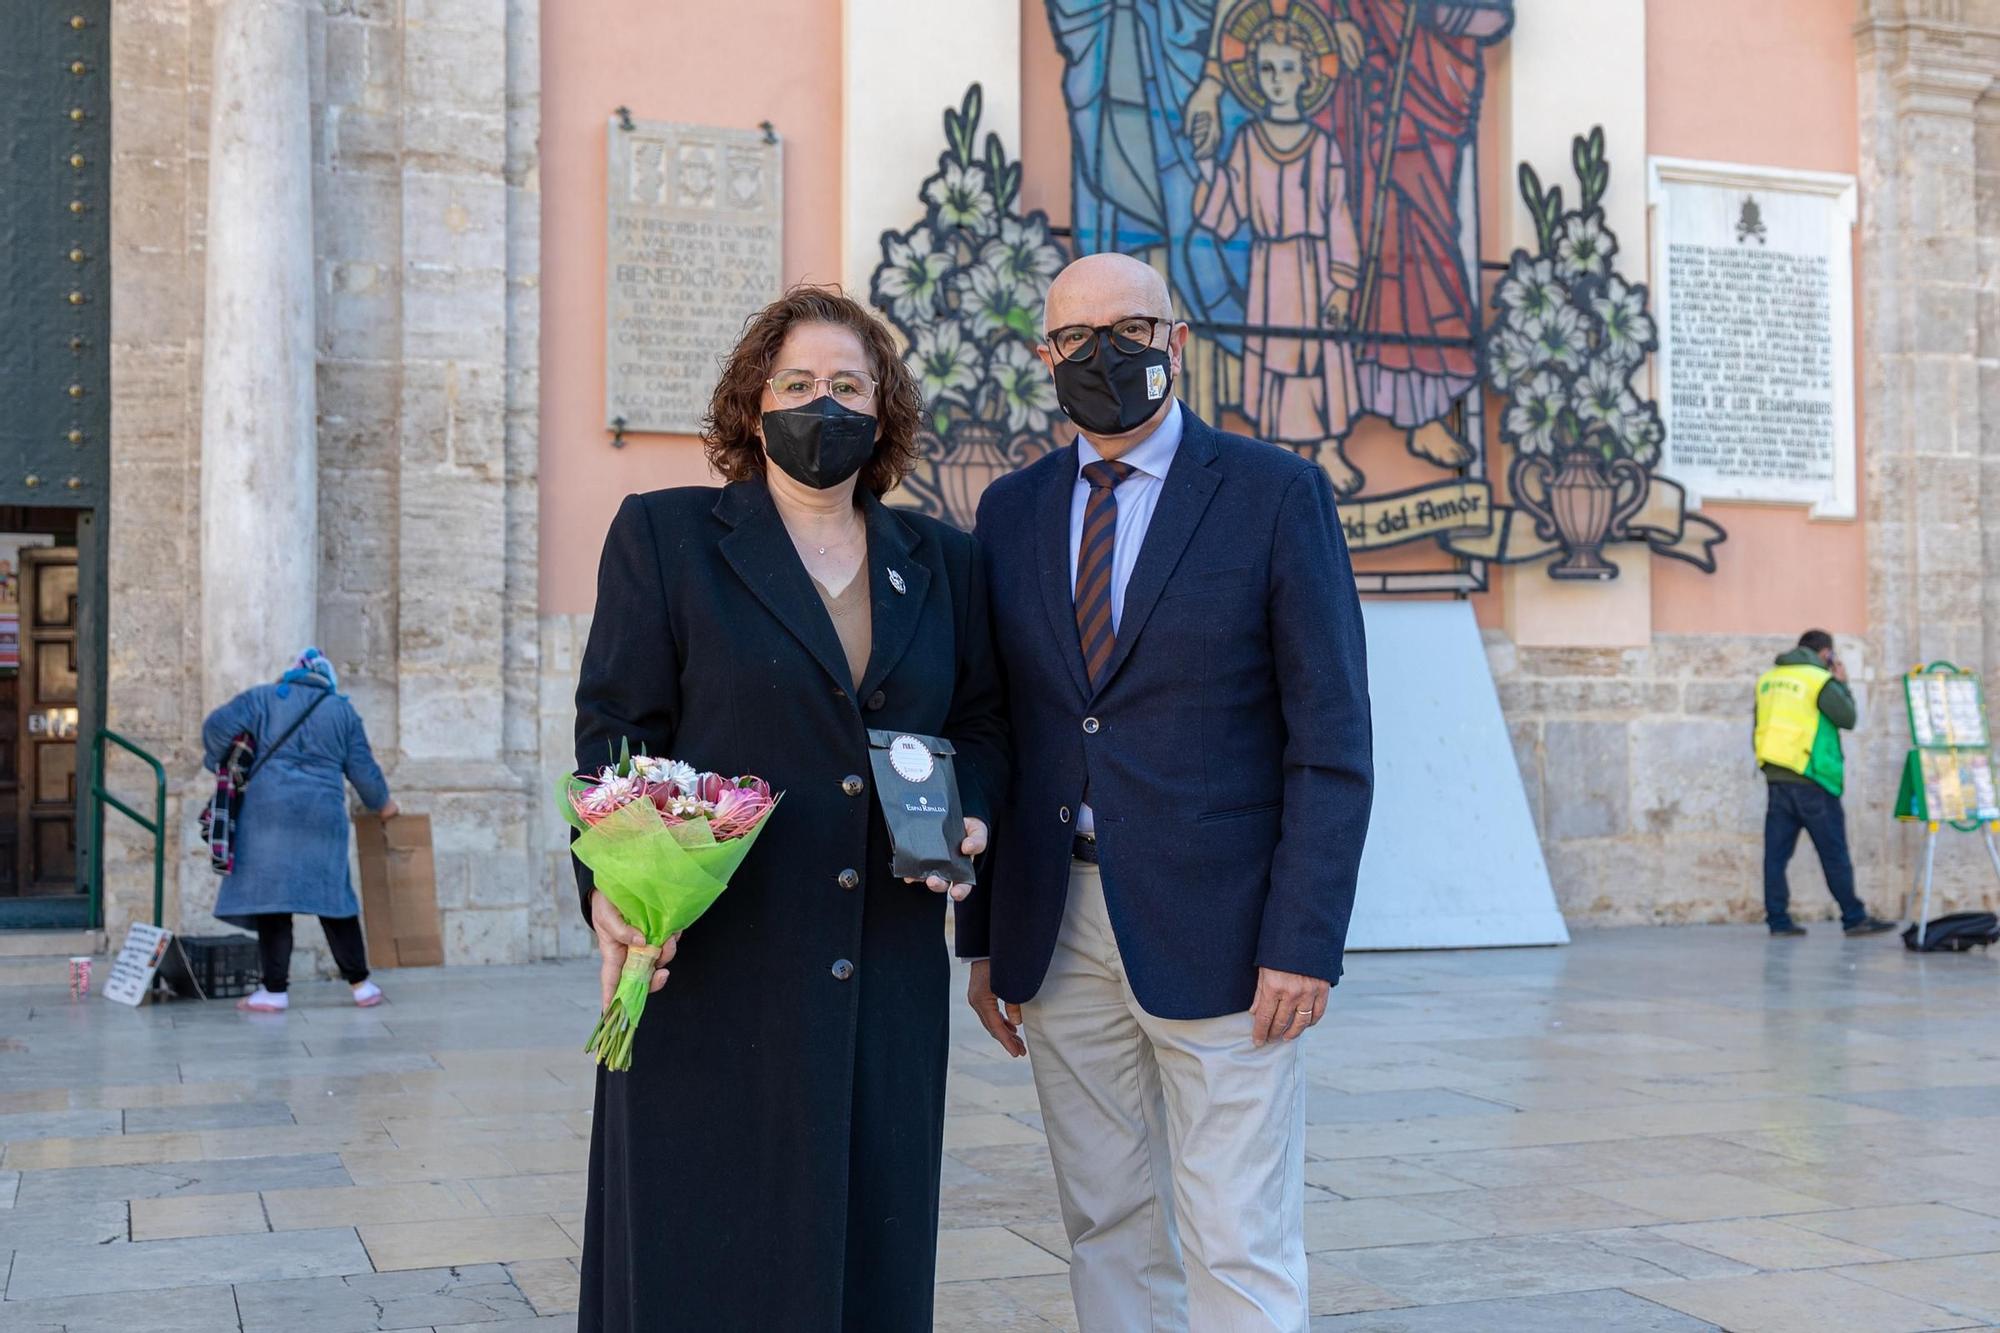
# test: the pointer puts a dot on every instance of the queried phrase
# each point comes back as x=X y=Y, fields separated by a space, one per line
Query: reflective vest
x=1791 y=731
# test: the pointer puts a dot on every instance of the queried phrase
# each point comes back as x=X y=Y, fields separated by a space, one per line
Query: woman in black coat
x=770 y=1162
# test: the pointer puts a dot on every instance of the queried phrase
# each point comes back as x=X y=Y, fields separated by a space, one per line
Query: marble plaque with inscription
x=696 y=235
x=1753 y=284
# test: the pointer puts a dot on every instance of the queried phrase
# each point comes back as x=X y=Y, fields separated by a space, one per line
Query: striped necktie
x=1093 y=564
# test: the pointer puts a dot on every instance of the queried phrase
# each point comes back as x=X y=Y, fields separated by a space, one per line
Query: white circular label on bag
x=911 y=759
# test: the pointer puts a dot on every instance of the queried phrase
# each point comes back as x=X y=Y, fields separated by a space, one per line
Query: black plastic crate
x=216 y=967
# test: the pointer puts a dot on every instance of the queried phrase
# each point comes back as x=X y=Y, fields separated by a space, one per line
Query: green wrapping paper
x=661 y=877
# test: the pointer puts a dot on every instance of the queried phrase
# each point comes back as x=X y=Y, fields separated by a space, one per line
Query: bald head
x=1103 y=289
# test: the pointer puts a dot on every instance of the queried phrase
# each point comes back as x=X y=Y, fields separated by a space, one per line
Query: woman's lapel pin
x=896 y=581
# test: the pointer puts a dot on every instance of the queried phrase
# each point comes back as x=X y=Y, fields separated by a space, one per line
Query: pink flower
x=739 y=809
x=606 y=793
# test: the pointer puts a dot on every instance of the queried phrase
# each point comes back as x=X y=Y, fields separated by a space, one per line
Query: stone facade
x=426 y=213
x=1636 y=761
x=1638 y=770
x=1930 y=241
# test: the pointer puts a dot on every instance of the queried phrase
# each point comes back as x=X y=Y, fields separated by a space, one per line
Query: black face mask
x=821 y=444
x=1114 y=391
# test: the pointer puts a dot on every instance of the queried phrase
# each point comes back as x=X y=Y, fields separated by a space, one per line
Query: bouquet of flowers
x=662 y=840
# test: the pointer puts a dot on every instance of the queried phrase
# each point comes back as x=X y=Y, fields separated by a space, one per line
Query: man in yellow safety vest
x=1803 y=704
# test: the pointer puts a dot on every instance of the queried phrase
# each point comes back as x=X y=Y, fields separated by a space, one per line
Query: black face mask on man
x=1113 y=391
x=821 y=444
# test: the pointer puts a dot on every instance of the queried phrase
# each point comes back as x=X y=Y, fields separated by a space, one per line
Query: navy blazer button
x=876 y=700
x=1090 y=726
x=1063 y=814
x=849 y=879
x=853 y=785
x=842 y=970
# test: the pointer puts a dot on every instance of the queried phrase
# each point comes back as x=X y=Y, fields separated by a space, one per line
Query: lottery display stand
x=1948 y=776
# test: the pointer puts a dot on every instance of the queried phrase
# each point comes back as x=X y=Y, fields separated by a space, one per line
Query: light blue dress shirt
x=1138 y=496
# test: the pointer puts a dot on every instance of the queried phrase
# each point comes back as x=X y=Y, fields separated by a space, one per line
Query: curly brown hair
x=730 y=430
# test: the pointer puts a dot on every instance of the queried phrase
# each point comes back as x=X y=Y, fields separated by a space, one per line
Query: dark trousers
x=1810 y=807
x=343 y=936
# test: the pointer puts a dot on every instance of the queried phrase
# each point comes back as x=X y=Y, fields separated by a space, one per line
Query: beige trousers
x=1179 y=1148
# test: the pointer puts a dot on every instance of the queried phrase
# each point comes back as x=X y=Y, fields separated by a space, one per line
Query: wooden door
x=10 y=787
x=47 y=728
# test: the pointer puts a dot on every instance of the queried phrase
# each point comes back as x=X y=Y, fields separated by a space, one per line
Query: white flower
x=682 y=777
x=963 y=197
x=1628 y=329
x=611 y=792
x=1604 y=399
x=1538 y=406
x=1557 y=338
x=1586 y=247
x=1644 y=435
x=993 y=300
x=1530 y=290
x=1509 y=358
x=944 y=363
x=1025 y=387
x=1022 y=250
x=907 y=282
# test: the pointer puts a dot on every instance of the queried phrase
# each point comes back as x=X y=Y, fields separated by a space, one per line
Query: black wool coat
x=771 y=1159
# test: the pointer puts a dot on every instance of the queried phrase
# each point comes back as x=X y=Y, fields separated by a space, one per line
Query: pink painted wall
x=1769 y=84
x=668 y=60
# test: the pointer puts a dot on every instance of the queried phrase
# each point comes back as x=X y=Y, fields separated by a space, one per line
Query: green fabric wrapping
x=661 y=878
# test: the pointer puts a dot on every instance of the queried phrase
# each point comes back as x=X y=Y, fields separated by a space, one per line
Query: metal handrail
x=156 y=826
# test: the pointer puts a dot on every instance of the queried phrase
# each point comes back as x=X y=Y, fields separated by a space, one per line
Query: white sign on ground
x=132 y=971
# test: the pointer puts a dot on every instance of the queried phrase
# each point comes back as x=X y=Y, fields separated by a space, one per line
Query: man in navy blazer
x=1174 y=870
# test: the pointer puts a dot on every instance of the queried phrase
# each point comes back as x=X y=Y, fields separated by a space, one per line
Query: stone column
x=259 y=496
x=1929 y=329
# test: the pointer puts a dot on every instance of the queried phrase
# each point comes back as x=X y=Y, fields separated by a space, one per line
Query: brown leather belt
x=1084 y=849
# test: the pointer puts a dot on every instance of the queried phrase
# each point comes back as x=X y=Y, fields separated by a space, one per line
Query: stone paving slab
x=218 y=1115
x=92 y=1184
x=38 y=1225
x=205 y=1309
x=197 y=1215
x=1574 y=1312
x=1815 y=1302
x=482 y=1295
x=140 y=1266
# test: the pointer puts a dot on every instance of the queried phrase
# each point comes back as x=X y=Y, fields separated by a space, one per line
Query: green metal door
x=55 y=309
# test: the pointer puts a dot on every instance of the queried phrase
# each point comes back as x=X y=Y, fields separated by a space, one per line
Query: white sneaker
x=261 y=1001
x=368 y=995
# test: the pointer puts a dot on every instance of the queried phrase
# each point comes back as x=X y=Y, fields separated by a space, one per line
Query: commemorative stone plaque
x=696 y=233
x=1753 y=276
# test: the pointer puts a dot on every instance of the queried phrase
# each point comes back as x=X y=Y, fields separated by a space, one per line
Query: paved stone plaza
x=1653 y=1129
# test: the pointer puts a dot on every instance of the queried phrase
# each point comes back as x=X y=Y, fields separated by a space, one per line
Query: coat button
x=1090 y=726
x=1063 y=814
x=853 y=785
x=842 y=969
x=876 y=700
x=849 y=879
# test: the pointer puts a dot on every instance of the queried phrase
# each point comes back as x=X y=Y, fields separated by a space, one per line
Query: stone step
x=50 y=971
x=50 y=943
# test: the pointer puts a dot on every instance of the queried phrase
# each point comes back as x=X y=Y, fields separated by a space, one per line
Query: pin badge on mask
x=1156 y=383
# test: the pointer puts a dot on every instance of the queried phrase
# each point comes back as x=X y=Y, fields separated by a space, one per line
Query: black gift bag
x=918 y=790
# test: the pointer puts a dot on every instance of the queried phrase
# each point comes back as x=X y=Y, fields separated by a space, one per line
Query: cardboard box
x=399 y=908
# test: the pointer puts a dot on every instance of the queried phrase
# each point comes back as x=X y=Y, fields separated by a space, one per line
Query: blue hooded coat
x=291 y=841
